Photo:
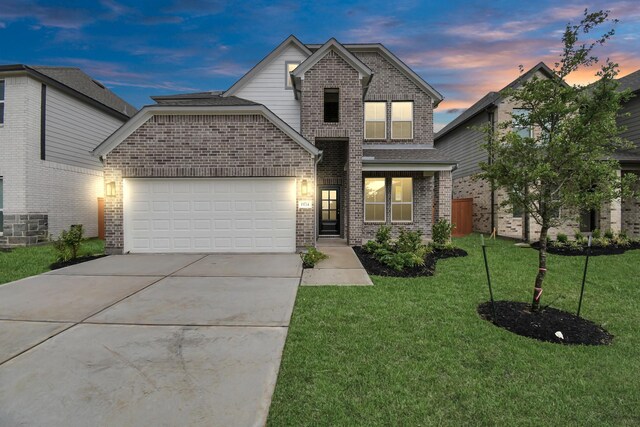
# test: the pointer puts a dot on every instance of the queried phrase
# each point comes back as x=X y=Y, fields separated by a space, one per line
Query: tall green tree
x=567 y=161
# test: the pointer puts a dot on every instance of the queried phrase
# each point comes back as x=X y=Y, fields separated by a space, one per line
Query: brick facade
x=390 y=84
x=328 y=73
x=631 y=212
x=331 y=171
x=443 y=189
x=206 y=146
x=422 y=205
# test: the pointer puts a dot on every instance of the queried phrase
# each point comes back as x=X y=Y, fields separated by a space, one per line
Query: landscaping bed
x=544 y=324
x=61 y=264
x=581 y=250
x=373 y=266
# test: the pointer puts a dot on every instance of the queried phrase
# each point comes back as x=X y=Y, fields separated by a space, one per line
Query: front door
x=330 y=211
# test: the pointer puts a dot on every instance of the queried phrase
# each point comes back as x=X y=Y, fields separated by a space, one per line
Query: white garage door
x=210 y=215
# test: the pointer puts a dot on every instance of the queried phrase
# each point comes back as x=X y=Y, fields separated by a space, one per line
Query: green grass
x=414 y=351
x=32 y=260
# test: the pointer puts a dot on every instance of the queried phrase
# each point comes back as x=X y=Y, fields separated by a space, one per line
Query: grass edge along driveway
x=415 y=352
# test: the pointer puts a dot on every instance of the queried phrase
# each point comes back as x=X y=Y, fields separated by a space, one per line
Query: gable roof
x=630 y=81
x=395 y=61
x=491 y=99
x=75 y=82
x=291 y=40
x=149 y=111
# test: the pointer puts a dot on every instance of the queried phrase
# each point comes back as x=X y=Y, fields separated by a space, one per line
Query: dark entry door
x=330 y=210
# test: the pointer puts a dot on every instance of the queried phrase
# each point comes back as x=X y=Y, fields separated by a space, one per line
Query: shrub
x=382 y=240
x=578 y=236
x=609 y=235
x=595 y=234
x=406 y=252
x=621 y=239
x=68 y=243
x=562 y=238
x=311 y=257
x=441 y=231
x=409 y=241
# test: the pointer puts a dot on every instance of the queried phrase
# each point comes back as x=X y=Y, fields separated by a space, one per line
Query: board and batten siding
x=73 y=129
x=464 y=145
x=268 y=87
x=631 y=122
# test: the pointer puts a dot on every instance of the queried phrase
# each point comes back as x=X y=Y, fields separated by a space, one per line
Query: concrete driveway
x=140 y=340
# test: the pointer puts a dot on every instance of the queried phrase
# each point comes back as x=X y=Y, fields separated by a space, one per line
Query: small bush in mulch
x=311 y=257
x=544 y=324
x=61 y=264
x=375 y=267
x=573 y=249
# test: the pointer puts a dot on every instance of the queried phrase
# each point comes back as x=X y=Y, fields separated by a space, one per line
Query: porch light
x=305 y=187
x=110 y=190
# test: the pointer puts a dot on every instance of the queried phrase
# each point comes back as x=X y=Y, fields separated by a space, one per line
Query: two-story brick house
x=50 y=120
x=315 y=140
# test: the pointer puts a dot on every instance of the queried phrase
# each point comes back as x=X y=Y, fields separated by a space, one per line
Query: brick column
x=354 y=192
x=611 y=215
x=442 y=195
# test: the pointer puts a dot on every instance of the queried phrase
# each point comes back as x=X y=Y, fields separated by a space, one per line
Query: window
x=288 y=69
x=331 y=105
x=375 y=207
x=401 y=199
x=1 y=105
x=1 y=209
x=375 y=120
x=518 y=115
x=402 y=120
x=517 y=211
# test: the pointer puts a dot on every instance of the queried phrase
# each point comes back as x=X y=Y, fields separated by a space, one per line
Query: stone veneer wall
x=422 y=204
x=24 y=229
x=328 y=73
x=186 y=146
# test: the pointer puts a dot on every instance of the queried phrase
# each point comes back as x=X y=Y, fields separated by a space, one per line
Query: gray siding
x=632 y=122
x=73 y=129
x=464 y=146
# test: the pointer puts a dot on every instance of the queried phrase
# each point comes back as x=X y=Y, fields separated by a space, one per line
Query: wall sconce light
x=110 y=190
x=305 y=187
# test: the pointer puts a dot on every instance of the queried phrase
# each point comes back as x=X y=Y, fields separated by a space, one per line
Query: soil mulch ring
x=79 y=260
x=375 y=267
x=582 y=251
x=543 y=325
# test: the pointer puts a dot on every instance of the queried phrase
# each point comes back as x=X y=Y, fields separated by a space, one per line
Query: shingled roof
x=77 y=83
x=630 y=81
x=213 y=98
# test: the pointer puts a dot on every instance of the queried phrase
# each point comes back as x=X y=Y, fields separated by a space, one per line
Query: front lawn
x=32 y=260
x=415 y=352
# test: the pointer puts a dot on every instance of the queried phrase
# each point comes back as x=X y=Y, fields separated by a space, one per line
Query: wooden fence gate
x=462 y=216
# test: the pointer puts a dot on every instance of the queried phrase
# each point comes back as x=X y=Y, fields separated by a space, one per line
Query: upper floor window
x=520 y=115
x=331 y=105
x=288 y=69
x=1 y=102
x=375 y=120
x=402 y=120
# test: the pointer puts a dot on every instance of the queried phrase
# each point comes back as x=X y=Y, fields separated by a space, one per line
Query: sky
x=462 y=48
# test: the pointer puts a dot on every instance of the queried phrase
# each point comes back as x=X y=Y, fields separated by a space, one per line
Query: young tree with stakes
x=567 y=162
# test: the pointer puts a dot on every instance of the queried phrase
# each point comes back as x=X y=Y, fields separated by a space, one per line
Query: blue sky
x=462 y=48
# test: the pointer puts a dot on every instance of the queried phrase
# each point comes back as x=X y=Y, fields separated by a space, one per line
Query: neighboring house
x=50 y=120
x=315 y=140
x=462 y=140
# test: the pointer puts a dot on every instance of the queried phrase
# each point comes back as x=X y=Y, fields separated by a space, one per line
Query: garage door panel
x=210 y=215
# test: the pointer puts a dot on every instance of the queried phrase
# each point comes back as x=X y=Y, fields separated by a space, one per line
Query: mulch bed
x=543 y=325
x=375 y=267
x=582 y=251
x=79 y=260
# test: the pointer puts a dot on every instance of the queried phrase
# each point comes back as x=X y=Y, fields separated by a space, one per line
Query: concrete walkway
x=342 y=268
x=137 y=340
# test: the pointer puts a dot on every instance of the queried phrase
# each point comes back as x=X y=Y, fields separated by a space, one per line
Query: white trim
x=4 y=110
x=264 y=62
x=287 y=75
x=398 y=167
x=391 y=202
x=402 y=121
x=365 y=203
x=147 y=112
x=375 y=121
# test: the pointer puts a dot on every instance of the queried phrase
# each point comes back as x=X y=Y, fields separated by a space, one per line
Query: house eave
x=407 y=166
